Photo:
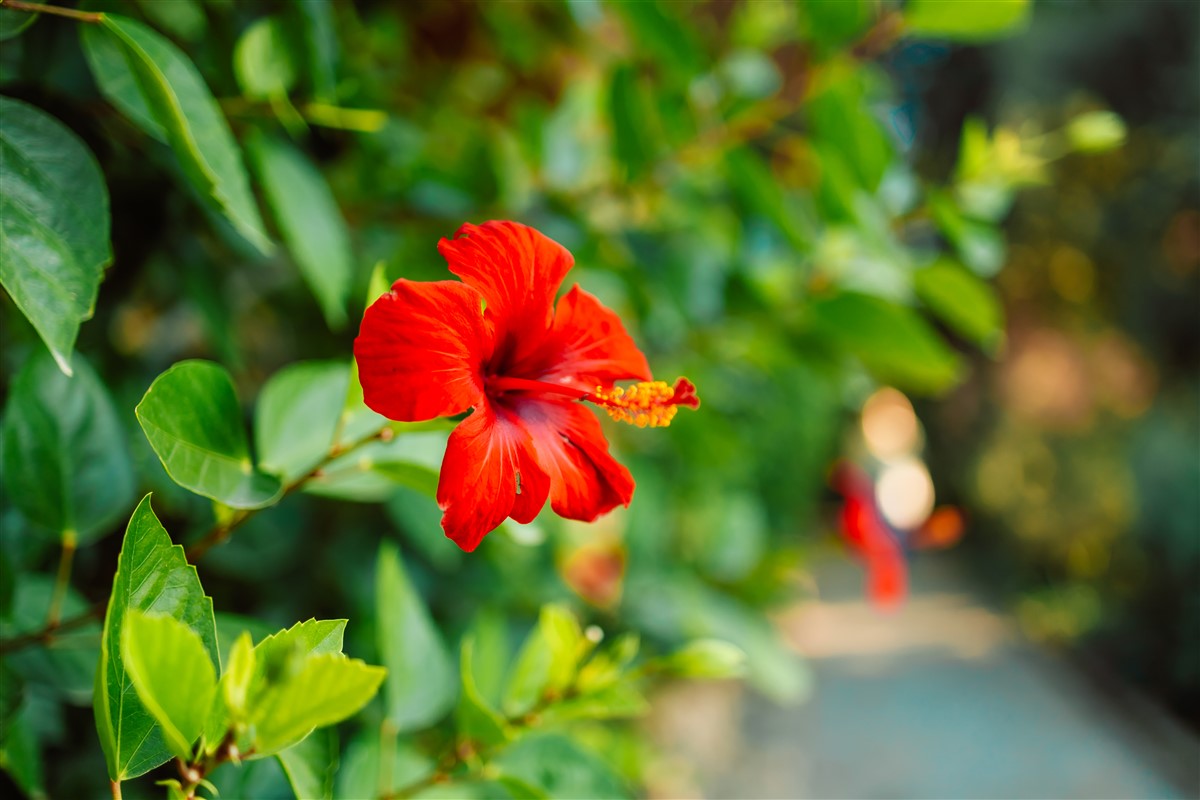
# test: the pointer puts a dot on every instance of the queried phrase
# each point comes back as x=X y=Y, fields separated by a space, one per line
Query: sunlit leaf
x=172 y=673
x=262 y=61
x=192 y=419
x=975 y=21
x=65 y=462
x=153 y=576
x=155 y=84
x=54 y=224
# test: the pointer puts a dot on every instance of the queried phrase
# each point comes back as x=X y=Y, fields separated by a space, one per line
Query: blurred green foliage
x=737 y=180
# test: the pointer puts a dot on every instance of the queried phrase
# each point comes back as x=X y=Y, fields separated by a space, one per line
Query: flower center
x=647 y=404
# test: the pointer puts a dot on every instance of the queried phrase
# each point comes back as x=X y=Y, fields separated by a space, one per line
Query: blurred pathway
x=941 y=699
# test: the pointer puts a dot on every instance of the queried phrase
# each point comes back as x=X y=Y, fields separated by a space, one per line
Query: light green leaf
x=547 y=662
x=420 y=688
x=54 y=225
x=607 y=666
x=974 y=21
x=172 y=673
x=326 y=688
x=309 y=220
x=65 y=462
x=311 y=764
x=618 y=701
x=155 y=84
x=963 y=301
x=1096 y=132
x=711 y=659
x=477 y=721
x=191 y=416
x=296 y=416
x=262 y=62
x=892 y=341
x=238 y=675
x=153 y=576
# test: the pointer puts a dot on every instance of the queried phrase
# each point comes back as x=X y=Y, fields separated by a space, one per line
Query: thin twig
x=57 y=11
x=62 y=580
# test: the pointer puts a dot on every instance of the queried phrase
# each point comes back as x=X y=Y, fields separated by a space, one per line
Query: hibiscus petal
x=420 y=351
x=585 y=480
x=489 y=473
x=517 y=270
x=587 y=345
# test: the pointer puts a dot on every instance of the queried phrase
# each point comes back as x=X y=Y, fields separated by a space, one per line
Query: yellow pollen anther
x=648 y=404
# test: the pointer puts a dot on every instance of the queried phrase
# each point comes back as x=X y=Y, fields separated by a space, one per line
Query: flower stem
x=62 y=580
x=57 y=11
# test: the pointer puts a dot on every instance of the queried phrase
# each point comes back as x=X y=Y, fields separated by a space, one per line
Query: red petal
x=478 y=487
x=587 y=345
x=517 y=270
x=585 y=481
x=887 y=576
x=420 y=351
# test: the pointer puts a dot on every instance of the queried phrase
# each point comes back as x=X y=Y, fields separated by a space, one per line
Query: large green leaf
x=963 y=301
x=191 y=416
x=54 y=225
x=172 y=673
x=420 y=688
x=326 y=688
x=892 y=341
x=153 y=576
x=155 y=84
x=311 y=765
x=297 y=416
x=309 y=220
x=957 y=20
x=65 y=461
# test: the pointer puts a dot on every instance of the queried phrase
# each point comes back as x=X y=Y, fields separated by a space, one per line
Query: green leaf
x=296 y=417
x=238 y=676
x=547 y=662
x=65 y=461
x=13 y=23
x=311 y=764
x=181 y=18
x=976 y=21
x=606 y=667
x=477 y=721
x=892 y=341
x=309 y=220
x=318 y=34
x=561 y=768
x=710 y=659
x=420 y=688
x=963 y=301
x=66 y=664
x=191 y=416
x=633 y=115
x=54 y=225
x=155 y=84
x=364 y=774
x=172 y=673
x=153 y=576
x=1096 y=132
x=20 y=755
x=326 y=688
x=618 y=701
x=312 y=637
x=262 y=62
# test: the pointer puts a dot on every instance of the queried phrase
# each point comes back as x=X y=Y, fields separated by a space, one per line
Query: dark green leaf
x=20 y=755
x=976 y=21
x=182 y=18
x=152 y=576
x=54 y=225
x=892 y=341
x=319 y=35
x=155 y=84
x=963 y=301
x=309 y=220
x=172 y=673
x=633 y=115
x=12 y=23
x=191 y=416
x=561 y=768
x=65 y=462
x=66 y=664
x=420 y=687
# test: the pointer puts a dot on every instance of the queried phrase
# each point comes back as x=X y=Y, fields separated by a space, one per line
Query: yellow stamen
x=649 y=404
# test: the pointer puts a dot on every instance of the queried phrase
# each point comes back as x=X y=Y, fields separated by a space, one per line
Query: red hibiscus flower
x=496 y=343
